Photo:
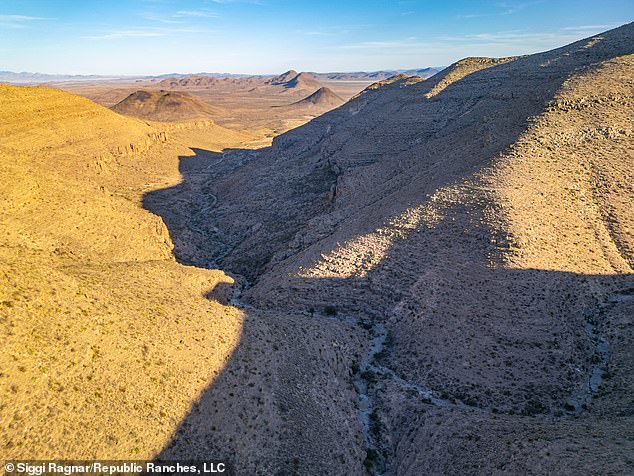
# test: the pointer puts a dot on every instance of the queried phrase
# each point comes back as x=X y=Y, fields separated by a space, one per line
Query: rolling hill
x=165 y=106
x=293 y=81
x=324 y=99
x=302 y=81
x=189 y=81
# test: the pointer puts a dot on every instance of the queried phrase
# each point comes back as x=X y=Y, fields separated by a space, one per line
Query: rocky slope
x=478 y=225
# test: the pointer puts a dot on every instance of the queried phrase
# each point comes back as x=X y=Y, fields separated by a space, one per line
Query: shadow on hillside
x=263 y=411
x=179 y=206
x=269 y=410
x=223 y=198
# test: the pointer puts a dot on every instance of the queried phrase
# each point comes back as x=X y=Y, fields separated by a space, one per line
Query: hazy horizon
x=154 y=37
x=187 y=73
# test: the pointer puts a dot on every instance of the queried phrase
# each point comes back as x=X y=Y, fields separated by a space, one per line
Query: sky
x=140 y=37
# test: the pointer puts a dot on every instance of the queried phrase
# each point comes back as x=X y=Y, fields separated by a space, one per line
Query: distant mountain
x=423 y=72
x=356 y=76
x=175 y=76
x=290 y=80
x=284 y=77
x=303 y=81
x=25 y=77
x=323 y=98
x=172 y=80
x=189 y=81
x=165 y=106
x=38 y=78
x=377 y=75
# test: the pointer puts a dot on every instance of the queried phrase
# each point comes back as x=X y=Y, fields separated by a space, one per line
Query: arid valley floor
x=307 y=275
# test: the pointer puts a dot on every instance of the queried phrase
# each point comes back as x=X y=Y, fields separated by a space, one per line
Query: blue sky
x=266 y=36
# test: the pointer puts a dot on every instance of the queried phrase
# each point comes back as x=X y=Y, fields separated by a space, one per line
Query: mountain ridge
x=464 y=218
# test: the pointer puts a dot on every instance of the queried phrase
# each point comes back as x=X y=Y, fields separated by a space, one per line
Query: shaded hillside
x=479 y=225
x=165 y=106
x=302 y=81
x=283 y=78
x=189 y=82
x=294 y=81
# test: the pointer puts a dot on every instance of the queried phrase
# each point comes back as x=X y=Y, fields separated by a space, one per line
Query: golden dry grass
x=106 y=340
